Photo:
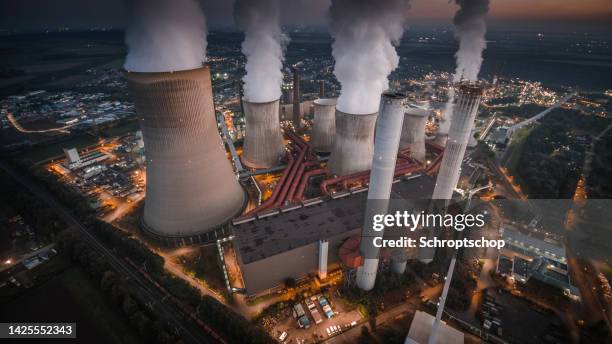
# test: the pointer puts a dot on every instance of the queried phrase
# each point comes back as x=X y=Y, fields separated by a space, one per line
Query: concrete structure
x=297 y=113
x=464 y=113
x=420 y=330
x=306 y=109
x=413 y=131
x=353 y=143
x=321 y=89
x=399 y=260
x=323 y=253
x=388 y=133
x=72 y=156
x=286 y=244
x=191 y=187
x=263 y=140
x=324 y=125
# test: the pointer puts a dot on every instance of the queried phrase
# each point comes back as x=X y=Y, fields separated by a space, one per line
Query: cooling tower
x=324 y=125
x=399 y=260
x=464 y=114
x=353 y=143
x=388 y=133
x=191 y=188
x=263 y=140
x=413 y=132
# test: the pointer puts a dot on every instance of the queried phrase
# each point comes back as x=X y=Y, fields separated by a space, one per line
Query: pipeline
x=299 y=196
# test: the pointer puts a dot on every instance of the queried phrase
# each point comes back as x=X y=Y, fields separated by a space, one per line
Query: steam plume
x=165 y=36
x=470 y=28
x=263 y=47
x=365 y=33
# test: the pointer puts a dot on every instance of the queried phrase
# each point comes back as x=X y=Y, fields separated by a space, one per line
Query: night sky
x=37 y=15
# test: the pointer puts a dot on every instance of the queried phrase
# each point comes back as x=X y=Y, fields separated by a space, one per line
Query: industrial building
x=74 y=160
x=263 y=139
x=353 y=143
x=324 y=125
x=464 y=113
x=191 y=188
x=420 y=331
x=287 y=242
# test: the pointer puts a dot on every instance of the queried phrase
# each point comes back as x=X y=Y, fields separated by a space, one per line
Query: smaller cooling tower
x=413 y=132
x=263 y=141
x=324 y=125
x=353 y=143
x=399 y=260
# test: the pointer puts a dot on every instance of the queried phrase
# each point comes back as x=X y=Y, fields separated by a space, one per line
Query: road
x=19 y=128
x=186 y=329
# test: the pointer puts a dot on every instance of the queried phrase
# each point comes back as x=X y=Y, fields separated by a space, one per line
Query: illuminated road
x=19 y=128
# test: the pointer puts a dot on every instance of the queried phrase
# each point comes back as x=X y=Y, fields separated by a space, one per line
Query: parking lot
x=340 y=321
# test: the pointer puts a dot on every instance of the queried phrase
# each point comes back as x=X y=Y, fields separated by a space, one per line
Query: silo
x=353 y=143
x=263 y=140
x=388 y=133
x=413 y=132
x=464 y=114
x=191 y=188
x=324 y=125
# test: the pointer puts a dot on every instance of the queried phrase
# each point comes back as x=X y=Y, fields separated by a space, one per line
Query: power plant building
x=191 y=188
x=263 y=141
x=464 y=113
x=324 y=125
x=353 y=143
x=287 y=244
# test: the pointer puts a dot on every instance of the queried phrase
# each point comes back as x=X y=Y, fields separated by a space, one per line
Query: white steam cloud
x=365 y=33
x=165 y=35
x=263 y=47
x=470 y=29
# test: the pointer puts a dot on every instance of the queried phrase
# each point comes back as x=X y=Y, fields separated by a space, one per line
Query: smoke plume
x=365 y=33
x=263 y=47
x=470 y=29
x=165 y=36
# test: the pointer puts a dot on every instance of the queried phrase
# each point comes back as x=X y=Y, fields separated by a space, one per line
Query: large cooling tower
x=413 y=132
x=388 y=133
x=191 y=187
x=324 y=125
x=263 y=140
x=353 y=143
x=464 y=113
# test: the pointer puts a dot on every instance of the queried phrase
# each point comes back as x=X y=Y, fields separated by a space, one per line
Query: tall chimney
x=388 y=133
x=297 y=114
x=191 y=188
x=321 y=89
x=263 y=140
x=464 y=113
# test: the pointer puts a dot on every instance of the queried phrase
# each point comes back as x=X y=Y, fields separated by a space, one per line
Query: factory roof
x=421 y=326
x=284 y=231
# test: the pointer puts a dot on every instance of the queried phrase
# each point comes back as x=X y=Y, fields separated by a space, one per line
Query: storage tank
x=353 y=143
x=413 y=132
x=324 y=125
x=191 y=188
x=388 y=133
x=263 y=140
x=464 y=113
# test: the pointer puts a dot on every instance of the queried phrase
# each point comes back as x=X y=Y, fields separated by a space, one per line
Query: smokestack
x=191 y=188
x=353 y=143
x=263 y=140
x=413 y=132
x=324 y=125
x=321 y=89
x=388 y=133
x=470 y=29
x=464 y=114
x=297 y=113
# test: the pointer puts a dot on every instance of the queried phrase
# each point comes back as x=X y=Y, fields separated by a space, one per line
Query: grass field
x=70 y=296
x=49 y=151
x=515 y=150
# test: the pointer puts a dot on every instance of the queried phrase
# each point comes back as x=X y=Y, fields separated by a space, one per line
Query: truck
x=316 y=316
x=298 y=310
x=328 y=311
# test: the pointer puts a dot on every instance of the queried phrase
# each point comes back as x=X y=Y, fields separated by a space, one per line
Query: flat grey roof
x=265 y=237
